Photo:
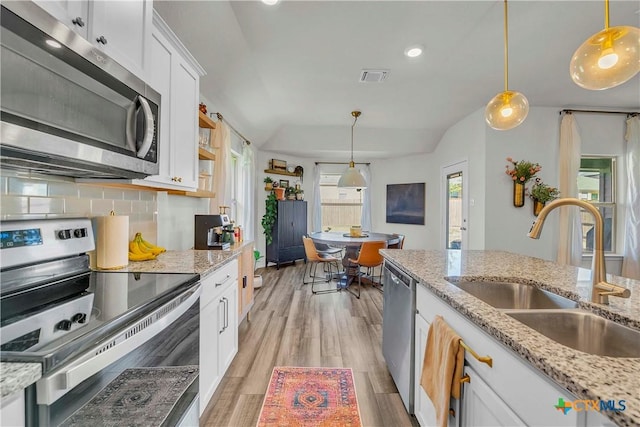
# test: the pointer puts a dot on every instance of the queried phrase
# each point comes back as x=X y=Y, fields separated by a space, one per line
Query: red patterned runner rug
x=310 y=397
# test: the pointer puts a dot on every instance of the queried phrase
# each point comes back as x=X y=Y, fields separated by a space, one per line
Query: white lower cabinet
x=481 y=407
x=510 y=393
x=218 y=328
x=12 y=410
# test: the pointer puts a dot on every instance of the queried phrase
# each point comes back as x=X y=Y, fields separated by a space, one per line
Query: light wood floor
x=292 y=327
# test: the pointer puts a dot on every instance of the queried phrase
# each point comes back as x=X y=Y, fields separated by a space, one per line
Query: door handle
x=226 y=313
x=223 y=320
x=78 y=21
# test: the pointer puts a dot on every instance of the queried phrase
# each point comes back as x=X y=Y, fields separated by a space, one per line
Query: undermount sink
x=508 y=295
x=583 y=331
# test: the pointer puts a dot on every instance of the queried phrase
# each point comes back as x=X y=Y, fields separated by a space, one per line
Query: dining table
x=351 y=244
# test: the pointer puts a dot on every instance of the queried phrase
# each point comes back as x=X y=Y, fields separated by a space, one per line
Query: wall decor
x=520 y=171
x=406 y=203
x=284 y=183
x=280 y=165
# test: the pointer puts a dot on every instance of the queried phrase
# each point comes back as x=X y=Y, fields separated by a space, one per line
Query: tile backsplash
x=25 y=196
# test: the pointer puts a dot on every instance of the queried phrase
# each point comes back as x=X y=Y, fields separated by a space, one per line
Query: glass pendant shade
x=506 y=110
x=607 y=59
x=352 y=178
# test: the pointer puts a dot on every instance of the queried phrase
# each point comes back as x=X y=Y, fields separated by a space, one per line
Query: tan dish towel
x=442 y=368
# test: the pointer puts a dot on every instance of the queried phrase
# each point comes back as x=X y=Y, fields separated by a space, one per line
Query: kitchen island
x=585 y=376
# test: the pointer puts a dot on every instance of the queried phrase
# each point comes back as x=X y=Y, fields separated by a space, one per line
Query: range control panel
x=32 y=241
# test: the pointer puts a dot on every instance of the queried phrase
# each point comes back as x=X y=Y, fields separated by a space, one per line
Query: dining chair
x=370 y=258
x=313 y=260
x=399 y=244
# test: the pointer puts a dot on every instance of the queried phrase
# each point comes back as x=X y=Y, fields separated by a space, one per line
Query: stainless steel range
x=86 y=328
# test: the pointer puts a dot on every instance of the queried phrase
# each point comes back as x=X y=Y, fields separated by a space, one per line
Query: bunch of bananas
x=141 y=250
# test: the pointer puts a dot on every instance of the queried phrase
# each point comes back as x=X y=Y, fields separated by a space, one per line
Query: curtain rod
x=220 y=117
x=341 y=163
x=630 y=113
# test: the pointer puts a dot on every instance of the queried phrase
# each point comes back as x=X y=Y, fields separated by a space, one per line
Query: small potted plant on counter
x=268 y=183
x=299 y=193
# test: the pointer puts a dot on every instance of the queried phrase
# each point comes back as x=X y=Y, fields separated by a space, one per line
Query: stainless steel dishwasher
x=398 y=323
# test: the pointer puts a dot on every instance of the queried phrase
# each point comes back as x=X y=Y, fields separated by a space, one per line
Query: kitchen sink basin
x=507 y=295
x=583 y=331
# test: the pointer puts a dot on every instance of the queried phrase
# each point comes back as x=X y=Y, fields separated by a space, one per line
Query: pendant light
x=509 y=108
x=352 y=178
x=608 y=58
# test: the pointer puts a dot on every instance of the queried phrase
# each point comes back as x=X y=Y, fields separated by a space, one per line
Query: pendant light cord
x=355 y=115
x=606 y=14
x=506 y=49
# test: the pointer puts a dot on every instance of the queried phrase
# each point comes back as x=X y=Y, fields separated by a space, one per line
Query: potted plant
x=291 y=193
x=270 y=216
x=268 y=183
x=279 y=191
x=542 y=193
x=299 y=194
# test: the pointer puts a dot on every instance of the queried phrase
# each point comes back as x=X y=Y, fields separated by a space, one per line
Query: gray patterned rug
x=140 y=397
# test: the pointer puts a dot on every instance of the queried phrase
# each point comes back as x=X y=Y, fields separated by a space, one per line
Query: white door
x=455 y=204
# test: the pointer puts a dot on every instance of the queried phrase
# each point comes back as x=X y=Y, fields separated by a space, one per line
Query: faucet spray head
x=536 y=229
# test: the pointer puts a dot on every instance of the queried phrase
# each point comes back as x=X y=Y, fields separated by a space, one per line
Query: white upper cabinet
x=121 y=29
x=175 y=74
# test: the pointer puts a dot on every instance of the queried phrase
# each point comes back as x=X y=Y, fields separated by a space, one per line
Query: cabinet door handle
x=223 y=280
x=223 y=320
x=226 y=313
x=78 y=21
x=102 y=40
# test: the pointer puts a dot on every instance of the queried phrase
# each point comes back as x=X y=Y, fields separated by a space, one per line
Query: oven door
x=108 y=380
x=66 y=105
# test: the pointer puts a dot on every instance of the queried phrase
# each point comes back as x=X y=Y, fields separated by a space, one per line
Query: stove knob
x=64 y=234
x=79 y=318
x=80 y=232
x=64 y=325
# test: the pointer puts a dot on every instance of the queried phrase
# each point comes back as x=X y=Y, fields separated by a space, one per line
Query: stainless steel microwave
x=67 y=108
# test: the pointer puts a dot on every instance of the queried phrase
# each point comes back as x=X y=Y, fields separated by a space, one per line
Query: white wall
x=176 y=220
x=506 y=226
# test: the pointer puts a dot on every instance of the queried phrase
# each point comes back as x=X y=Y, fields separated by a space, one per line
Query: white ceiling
x=287 y=75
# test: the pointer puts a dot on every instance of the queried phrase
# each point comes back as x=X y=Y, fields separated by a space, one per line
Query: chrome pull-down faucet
x=601 y=289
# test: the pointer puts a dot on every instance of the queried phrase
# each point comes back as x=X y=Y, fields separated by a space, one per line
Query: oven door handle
x=51 y=387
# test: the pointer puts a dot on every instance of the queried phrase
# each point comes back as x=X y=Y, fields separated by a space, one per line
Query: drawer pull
x=465 y=379
x=484 y=359
x=224 y=280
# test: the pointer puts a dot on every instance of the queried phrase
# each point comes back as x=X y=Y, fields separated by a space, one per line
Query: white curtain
x=365 y=220
x=248 y=190
x=317 y=200
x=569 y=234
x=631 y=261
x=222 y=173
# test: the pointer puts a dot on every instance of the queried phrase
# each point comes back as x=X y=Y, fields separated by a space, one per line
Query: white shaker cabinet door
x=228 y=344
x=184 y=141
x=72 y=13
x=209 y=372
x=122 y=29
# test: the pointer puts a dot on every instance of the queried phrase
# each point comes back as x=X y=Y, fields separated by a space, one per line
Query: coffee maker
x=212 y=232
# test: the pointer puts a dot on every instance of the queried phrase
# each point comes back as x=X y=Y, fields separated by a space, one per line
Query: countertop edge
x=18 y=376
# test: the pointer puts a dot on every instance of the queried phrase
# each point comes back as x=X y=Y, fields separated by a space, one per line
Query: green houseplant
x=270 y=216
x=268 y=183
x=291 y=193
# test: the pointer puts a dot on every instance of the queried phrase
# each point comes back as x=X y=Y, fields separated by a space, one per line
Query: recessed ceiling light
x=270 y=2
x=53 y=43
x=413 y=51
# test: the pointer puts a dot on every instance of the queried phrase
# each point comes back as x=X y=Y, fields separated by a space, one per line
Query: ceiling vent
x=373 y=76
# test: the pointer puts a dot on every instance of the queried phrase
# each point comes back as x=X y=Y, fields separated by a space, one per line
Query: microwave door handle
x=130 y=130
x=149 y=128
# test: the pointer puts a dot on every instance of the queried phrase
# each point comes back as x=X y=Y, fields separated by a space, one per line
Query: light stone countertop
x=15 y=377
x=584 y=375
x=202 y=262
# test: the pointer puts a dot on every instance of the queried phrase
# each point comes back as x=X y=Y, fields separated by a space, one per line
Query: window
x=596 y=184
x=341 y=207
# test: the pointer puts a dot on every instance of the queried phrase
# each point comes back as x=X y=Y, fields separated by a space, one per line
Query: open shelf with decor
x=204 y=154
x=281 y=172
x=205 y=122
